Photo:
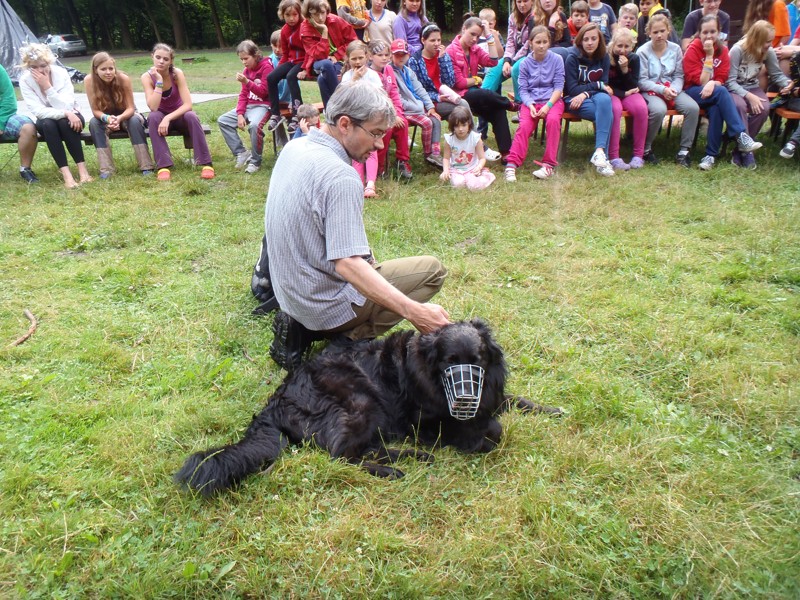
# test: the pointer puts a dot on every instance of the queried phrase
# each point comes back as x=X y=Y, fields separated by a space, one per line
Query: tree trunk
x=75 y=18
x=178 y=26
x=458 y=11
x=217 y=27
x=440 y=12
x=152 y=20
x=244 y=17
x=125 y=31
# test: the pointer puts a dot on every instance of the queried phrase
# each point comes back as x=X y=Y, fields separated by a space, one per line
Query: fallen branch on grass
x=34 y=324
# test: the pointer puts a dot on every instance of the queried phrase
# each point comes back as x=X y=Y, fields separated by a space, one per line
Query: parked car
x=65 y=44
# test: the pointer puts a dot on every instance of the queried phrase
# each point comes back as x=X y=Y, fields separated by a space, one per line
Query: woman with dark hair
x=706 y=67
x=434 y=69
x=467 y=57
x=48 y=93
x=110 y=95
x=167 y=95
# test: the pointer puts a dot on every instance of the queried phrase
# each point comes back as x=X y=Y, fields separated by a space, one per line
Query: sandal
x=370 y=192
x=164 y=175
x=207 y=172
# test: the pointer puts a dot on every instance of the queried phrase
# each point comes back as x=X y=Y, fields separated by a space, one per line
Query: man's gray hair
x=361 y=101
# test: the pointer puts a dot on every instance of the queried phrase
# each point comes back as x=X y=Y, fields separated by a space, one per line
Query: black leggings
x=287 y=71
x=57 y=132
x=492 y=107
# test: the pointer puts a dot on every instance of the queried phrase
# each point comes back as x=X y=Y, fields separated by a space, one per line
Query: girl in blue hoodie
x=587 y=92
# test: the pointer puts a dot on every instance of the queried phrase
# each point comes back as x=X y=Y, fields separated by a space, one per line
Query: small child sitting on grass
x=464 y=159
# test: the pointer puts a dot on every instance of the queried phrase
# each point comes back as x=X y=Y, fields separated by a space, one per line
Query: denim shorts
x=13 y=125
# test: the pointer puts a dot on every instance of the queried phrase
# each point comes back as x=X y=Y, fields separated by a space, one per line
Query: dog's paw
x=382 y=470
x=526 y=406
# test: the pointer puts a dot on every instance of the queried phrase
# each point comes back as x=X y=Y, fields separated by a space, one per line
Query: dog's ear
x=493 y=350
x=495 y=371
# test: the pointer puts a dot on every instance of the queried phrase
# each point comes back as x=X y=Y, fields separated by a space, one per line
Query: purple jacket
x=538 y=80
x=409 y=30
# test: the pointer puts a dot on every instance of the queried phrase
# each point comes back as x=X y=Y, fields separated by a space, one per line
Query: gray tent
x=13 y=34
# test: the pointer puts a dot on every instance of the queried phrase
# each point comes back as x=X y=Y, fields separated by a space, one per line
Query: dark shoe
x=291 y=341
x=749 y=161
x=274 y=122
x=650 y=158
x=736 y=158
x=514 y=107
x=266 y=307
x=682 y=158
x=788 y=150
x=292 y=126
x=404 y=170
x=28 y=175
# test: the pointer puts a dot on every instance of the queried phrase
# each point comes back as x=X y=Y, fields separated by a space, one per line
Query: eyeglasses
x=375 y=136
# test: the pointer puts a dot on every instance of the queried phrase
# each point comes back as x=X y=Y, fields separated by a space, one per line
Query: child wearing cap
x=417 y=104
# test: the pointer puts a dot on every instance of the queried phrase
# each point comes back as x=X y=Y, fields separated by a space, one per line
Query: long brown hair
x=600 y=51
x=757 y=10
x=542 y=18
x=519 y=18
x=110 y=97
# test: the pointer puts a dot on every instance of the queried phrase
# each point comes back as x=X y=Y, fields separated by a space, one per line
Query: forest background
x=109 y=25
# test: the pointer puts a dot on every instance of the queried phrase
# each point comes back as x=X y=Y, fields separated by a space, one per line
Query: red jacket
x=255 y=90
x=292 y=49
x=340 y=33
x=693 y=64
x=477 y=57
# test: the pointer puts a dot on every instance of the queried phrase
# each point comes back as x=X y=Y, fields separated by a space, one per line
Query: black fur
x=351 y=401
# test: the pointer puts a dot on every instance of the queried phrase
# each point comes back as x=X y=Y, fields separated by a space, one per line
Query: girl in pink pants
x=623 y=79
x=541 y=81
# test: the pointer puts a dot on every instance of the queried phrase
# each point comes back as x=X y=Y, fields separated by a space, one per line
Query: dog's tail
x=221 y=468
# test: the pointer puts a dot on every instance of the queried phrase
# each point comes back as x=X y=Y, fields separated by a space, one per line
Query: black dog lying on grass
x=443 y=388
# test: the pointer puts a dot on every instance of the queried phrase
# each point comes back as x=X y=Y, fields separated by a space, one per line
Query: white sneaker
x=242 y=158
x=746 y=143
x=543 y=173
x=601 y=163
x=491 y=155
x=251 y=168
x=511 y=174
x=706 y=163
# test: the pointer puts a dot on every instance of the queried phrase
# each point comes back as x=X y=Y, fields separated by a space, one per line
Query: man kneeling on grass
x=321 y=267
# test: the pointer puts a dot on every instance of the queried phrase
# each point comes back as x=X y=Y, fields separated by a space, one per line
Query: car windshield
x=71 y=38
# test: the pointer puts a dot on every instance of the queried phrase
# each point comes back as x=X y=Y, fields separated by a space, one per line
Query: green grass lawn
x=660 y=308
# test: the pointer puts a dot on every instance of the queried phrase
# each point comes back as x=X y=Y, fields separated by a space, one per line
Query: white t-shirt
x=463 y=156
x=370 y=76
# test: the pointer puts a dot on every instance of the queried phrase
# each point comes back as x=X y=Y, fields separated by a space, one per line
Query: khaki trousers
x=418 y=277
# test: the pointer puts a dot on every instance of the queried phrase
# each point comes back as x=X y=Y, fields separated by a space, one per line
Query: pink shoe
x=369 y=191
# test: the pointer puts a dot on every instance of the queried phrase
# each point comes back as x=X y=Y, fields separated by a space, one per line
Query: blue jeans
x=327 y=78
x=598 y=109
x=720 y=109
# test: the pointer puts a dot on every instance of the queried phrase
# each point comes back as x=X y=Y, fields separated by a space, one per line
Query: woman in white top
x=49 y=95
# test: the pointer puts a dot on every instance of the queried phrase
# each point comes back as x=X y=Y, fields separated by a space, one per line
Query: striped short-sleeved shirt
x=312 y=218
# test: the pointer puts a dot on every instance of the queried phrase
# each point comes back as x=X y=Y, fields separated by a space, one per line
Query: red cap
x=400 y=47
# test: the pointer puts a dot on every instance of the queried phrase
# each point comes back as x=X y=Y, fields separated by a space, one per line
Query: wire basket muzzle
x=463 y=385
